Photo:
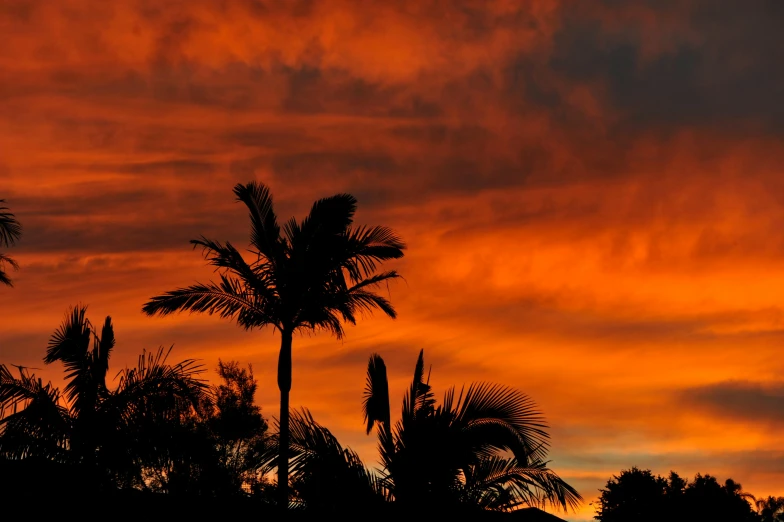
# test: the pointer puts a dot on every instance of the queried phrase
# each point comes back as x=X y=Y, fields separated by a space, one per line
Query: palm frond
x=323 y=472
x=4 y=259
x=367 y=246
x=419 y=396
x=10 y=228
x=328 y=218
x=227 y=257
x=32 y=419
x=265 y=232
x=70 y=344
x=229 y=299
x=503 y=418
x=366 y=302
x=102 y=352
x=375 y=404
x=504 y=484
x=374 y=280
x=154 y=379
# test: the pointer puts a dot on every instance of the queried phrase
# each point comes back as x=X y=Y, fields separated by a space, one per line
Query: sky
x=591 y=195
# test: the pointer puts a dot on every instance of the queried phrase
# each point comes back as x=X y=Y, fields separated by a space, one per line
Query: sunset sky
x=592 y=195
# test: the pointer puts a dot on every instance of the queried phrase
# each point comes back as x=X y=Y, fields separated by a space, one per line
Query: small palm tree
x=771 y=509
x=90 y=425
x=485 y=447
x=311 y=275
x=325 y=476
x=10 y=232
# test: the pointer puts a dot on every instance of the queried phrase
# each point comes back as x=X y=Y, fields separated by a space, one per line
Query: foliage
x=483 y=446
x=309 y=275
x=110 y=433
x=239 y=431
x=10 y=232
x=325 y=476
x=770 y=509
x=639 y=495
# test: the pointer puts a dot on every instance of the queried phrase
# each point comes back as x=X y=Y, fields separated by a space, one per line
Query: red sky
x=591 y=194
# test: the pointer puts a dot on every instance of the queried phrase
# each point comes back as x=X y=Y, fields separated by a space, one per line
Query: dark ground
x=37 y=490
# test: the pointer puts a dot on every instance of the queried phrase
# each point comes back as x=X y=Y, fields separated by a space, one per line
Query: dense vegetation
x=160 y=437
x=640 y=495
x=161 y=429
x=308 y=275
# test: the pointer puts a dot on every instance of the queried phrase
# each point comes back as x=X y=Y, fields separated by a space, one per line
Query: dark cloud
x=740 y=400
x=25 y=348
x=722 y=67
x=739 y=465
x=144 y=219
x=179 y=167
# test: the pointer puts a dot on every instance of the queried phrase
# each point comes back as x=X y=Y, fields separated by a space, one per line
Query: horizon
x=589 y=195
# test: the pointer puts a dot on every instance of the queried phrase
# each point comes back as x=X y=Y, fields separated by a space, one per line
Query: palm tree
x=90 y=424
x=325 y=476
x=10 y=232
x=771 y=509
x=485 y=447
x=311 y=275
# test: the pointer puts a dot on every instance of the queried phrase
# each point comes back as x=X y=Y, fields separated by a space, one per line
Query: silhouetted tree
x=484 y=446
x=92 y=426
x=310 y=275
x=325 y=477
x=641 y=496
x=636 y=494
x=10 y=232
x=706 y=499
x=238 y=427
x=215 y=450
x=771 y=509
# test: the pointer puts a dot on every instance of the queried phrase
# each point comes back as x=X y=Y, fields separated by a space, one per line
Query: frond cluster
x=313 y=274
x=10 y=232
x=91 y=423
x=484 y=446
x=325 y=476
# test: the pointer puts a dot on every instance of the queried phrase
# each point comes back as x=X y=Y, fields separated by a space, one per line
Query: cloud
x=758 y=402
x=657 y=70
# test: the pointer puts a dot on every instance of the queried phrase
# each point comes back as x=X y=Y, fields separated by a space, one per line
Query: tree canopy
x=638 y=494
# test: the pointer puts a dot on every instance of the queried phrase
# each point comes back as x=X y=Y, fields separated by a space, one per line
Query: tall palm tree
x=484 y=447
x=10 y=232
x=89 y=424
x=311 y=275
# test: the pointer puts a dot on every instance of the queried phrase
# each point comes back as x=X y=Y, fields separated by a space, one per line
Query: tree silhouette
x=325 y=476
x=10 y=232
x=215 y=450
x=310 y=275
x=90 y=425
x=238 y=428
x=771 y=509
x=635 y=494
x=484 y=446
x=640 y=495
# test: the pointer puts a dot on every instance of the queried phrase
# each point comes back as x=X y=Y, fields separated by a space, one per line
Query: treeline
x=162 y=429
x=639 y=495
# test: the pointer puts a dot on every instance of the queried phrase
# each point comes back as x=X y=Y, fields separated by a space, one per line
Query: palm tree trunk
x=284 y=385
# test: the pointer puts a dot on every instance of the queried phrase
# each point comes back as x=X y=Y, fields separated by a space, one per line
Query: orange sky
x=591 y=195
